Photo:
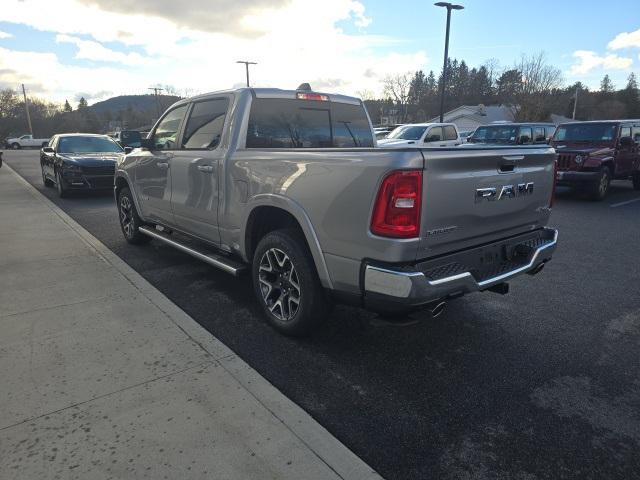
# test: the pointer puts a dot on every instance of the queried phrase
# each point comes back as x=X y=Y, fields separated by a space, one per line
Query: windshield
x=88 y=145
x=407 y=133
x=586 y=132
x=497 y=134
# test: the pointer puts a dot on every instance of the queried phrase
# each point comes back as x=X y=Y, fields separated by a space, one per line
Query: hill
x=137 y=103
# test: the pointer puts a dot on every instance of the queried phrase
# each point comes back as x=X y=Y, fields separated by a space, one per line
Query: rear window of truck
x=284 y=123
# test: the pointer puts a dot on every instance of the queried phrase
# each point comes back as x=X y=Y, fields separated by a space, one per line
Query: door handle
x=205 y=168
x=163 y=165
x=443 y=144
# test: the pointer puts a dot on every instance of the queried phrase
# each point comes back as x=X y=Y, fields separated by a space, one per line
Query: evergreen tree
x=82 y=103
x=606 y=85
x=630 y=97
x=67 y=107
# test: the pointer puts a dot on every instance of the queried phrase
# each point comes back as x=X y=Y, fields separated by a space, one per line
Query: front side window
x=164 y=137
x=434 y=135
x=450 y=133
x=407 y=132
x=635 y=134
x=204 y=127
x=538 y=134
x=625 y=132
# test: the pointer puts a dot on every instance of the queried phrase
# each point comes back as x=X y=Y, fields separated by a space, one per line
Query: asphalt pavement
x=543 y=383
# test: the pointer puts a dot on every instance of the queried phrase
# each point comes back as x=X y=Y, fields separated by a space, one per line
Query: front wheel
x=598 y=191
x=130 y=221
x=45 y=179
x=286 y=283
x=62 y=190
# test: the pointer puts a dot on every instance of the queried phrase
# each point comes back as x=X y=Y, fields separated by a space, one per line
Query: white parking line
x=614 y=205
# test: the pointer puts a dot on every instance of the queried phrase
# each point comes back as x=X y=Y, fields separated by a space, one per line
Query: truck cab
x=507 y=133
x=591 y=154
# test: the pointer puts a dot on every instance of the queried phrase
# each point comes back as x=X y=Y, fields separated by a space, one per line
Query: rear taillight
x=396 y=212
x=553 y=185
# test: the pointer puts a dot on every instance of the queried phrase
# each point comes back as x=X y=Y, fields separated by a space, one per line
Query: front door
x=153 y=168
x=195 y=169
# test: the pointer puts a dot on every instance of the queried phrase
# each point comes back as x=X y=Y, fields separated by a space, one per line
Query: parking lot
x=541 y=383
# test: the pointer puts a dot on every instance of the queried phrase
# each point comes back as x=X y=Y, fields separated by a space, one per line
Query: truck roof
x=273 y=93
x=625 y=120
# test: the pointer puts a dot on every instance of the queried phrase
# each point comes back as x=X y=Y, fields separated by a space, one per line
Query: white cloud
x=91 y=50
x=5 y=35
x=300 y=41
x=587 y=61
x=625 y=40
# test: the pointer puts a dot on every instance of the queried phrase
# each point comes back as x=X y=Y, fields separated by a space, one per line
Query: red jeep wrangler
x=591 y=154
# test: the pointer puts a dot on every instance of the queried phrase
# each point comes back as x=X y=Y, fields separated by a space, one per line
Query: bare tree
x=539 y=81
x=397 y=87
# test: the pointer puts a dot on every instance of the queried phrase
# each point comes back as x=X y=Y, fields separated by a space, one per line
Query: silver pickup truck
x=289 y=186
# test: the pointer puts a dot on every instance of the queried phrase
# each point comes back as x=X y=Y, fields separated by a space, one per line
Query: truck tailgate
x=483 y=194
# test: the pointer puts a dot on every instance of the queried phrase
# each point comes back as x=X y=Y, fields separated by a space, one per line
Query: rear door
x=483 y=194
x=625 y=155
x=195 y=169
x=450 y=136
x=434 y=137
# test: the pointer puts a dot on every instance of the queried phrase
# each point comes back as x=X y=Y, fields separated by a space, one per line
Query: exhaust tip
x=537 y=269
x=437 y=309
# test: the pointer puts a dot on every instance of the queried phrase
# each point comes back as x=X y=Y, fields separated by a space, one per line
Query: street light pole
x=246 y=66
x=449 y=7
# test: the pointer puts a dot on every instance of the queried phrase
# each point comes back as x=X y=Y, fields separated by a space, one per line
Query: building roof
x=479 y=113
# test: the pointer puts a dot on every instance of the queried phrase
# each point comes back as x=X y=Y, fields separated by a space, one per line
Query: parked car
x=128 y=138
x=591 y=154
x=79 y=161
x=26 y=141
x=422 y=135
x=286 y=186
x=513 y=134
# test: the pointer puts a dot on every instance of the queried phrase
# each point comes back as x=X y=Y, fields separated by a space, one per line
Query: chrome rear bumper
x=417 y=286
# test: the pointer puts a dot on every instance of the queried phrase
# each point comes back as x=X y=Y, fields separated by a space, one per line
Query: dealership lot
x=541 y=383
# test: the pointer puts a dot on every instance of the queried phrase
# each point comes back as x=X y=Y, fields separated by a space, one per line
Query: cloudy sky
x=62 y=49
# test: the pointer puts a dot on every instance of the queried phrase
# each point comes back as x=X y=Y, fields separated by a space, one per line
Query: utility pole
x=575 y=103
x=26 y=107
x=246 y=66
x=156 y=90
x=449 y=7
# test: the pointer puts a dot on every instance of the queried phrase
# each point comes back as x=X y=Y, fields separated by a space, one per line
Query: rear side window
x=525 y=135
x=636 y=134
x=450 y=133
x=283 y=123
x=538 y=135
x=434 y=135
x=204 y=127
x=625 y=132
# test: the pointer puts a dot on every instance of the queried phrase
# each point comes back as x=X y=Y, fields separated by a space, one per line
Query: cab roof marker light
x=312 y=96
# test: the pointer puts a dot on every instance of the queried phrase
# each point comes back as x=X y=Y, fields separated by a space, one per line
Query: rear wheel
x=598 y=190
x=15 y=146
x=130 y=221
x=286 y=283
x=636 y=181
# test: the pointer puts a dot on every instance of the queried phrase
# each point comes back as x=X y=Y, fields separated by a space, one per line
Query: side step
x=219 y=261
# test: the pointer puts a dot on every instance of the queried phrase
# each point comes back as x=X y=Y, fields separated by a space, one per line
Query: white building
x=470 y=117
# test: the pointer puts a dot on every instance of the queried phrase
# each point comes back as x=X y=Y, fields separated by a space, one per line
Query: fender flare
x=123 y=174
x=297 y=211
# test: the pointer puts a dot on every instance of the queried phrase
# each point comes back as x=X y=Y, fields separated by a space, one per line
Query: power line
x=246 y=66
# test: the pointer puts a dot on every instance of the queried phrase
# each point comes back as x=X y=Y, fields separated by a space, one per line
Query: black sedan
x=79 y=161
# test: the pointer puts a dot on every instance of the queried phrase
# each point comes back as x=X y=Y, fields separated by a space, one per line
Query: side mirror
x=128 y=150
x=146 y=143
x=626 y=142
x=48 y=150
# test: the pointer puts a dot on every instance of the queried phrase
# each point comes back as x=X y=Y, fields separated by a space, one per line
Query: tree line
x=531 y=88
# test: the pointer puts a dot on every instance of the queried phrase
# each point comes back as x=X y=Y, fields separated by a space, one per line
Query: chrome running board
x=219 y=261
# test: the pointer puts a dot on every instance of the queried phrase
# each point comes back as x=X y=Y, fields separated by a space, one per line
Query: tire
x=636 y=181
x=45 y=180
x=62 y=190
x=130 y=221
x=286 y=283
x=598 y=190
x=16 y=146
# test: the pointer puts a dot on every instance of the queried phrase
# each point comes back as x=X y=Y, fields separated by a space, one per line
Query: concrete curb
x=324 y=445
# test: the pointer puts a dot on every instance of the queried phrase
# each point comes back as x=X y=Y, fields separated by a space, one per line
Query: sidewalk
x=101 y=376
